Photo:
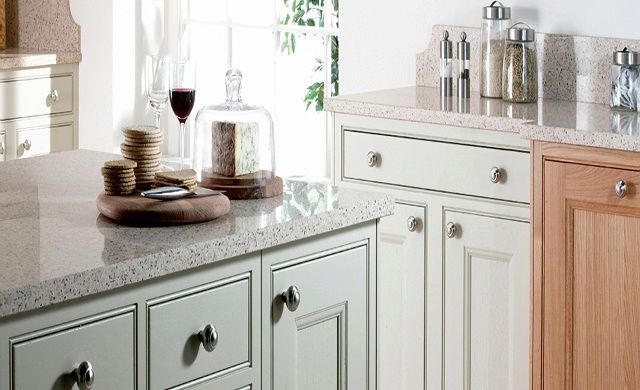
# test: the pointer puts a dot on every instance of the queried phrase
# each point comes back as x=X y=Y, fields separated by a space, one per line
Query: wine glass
x=182 y=95
x=157 y=75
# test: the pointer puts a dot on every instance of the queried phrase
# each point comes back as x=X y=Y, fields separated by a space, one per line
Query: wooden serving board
x=135 y=210
x=252 y=186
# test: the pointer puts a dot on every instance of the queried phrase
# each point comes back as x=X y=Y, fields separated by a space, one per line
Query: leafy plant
x=311 y=13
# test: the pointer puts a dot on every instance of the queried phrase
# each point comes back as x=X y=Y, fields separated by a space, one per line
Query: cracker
x=120 y=164
x=177 y=176
x=135 y=156
x=141 y=131
x=139 y=148
x=117 y=172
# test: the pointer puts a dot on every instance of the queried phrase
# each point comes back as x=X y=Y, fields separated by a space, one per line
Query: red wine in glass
x=182 y=100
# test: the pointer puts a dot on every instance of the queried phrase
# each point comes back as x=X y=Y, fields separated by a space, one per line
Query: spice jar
x=520 y=65
x=625 y=73
x=495 y=19
x=446 y=65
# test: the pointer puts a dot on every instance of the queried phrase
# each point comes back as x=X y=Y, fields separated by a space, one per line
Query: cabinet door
x=401 y=302
x=486 y=302
x=321 y=344
x=591 y=278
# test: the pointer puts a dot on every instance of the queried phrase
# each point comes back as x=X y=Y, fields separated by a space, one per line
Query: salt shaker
x=464 y=54
x=446 y=65
x=625 y=73
x=495 y=19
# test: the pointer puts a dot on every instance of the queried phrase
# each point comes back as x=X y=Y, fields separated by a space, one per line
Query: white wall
x=380 y=38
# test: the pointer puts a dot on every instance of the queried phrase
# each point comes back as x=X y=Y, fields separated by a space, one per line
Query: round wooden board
x=135 y=210
x=252 y=186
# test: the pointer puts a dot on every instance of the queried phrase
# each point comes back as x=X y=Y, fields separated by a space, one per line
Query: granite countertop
x=587 y=124
x=57 y=247
x=24 y=58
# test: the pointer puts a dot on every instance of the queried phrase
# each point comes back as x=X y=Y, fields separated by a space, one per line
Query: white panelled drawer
x=177 y=354
x=438 y=166
x=37 y=96
x=43 y=140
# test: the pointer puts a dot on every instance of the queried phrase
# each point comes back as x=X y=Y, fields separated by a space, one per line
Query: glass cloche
x=234 y=143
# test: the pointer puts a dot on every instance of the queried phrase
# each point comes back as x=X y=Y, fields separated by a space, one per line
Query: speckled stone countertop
x=57 y=247
x=576 y=123
x=24 y=58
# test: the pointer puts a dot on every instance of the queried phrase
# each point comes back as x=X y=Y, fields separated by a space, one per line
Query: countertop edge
x=28 y=60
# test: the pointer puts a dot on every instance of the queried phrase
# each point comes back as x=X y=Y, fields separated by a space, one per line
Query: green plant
x=311 y=13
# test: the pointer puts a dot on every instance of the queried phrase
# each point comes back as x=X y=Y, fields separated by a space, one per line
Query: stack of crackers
x=119 y=177
x=142 y=145
x=185 y=178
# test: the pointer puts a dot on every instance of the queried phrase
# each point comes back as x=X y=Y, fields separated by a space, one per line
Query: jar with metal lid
x=495 y=19
x=520 y=65
x=625 y=73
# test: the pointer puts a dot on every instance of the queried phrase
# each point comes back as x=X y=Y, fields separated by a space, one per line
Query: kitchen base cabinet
x=586 y=251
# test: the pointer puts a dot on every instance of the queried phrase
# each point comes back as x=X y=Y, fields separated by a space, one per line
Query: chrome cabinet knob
x=84 y=376
x=54 y=96
x=291 y=298
x=26 y=145
x=2 y=148
x=372 y=159
x=451 y=229
x=412 y=224
x=495 y=174
x=621 y=188
x=208 y=336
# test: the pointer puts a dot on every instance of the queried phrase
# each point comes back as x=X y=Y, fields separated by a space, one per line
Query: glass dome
x=234 y=140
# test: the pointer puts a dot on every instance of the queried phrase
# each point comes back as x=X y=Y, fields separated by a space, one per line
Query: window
x=287 y=51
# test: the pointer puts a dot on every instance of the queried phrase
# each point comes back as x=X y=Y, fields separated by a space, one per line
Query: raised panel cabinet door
x=320 y=337
x=591 y=278
x=486 y=302
x=401 y=298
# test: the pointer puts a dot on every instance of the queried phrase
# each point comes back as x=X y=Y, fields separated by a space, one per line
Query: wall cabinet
x=586 y=325
x=454 y=261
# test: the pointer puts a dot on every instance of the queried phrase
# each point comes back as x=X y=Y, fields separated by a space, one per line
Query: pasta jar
x=495 y=19
x=624 y=76
x=520 y=65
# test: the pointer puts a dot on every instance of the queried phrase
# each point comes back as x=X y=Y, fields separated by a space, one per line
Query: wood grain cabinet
x=586 y=324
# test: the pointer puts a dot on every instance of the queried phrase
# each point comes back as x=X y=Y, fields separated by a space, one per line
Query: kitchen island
x=225 y=304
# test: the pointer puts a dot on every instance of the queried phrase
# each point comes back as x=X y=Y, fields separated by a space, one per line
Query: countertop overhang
x=12 y=59
x=551 y=120
x=57 y=247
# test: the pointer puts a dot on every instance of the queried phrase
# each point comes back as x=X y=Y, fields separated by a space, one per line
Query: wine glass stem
x=157 y=119
x=181 y=145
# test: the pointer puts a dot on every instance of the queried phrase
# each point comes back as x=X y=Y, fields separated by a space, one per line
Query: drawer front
x=43 y=140
x=438 y=166
x=177 y=355
x=45 y=362
x=38 y=96
x=3 y=147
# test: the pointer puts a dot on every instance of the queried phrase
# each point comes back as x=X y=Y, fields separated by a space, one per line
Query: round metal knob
x=208 y=336
x=54 y=96
x=84 y=376
x=26 y=145
x=2 y=148
x=412 y=223
x=372 y=159
x=495 y=174
x=291 y=298
x=621 y=189
x=451 y=229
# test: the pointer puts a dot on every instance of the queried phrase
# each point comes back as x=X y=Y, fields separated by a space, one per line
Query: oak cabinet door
x=322 y=343
x=401 y=298
x=486 y=302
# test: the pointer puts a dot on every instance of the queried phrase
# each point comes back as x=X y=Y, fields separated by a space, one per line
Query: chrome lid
x=446 y=47
x=521 y=32
x=626 y=57
x=494 y=11
x=464 y=47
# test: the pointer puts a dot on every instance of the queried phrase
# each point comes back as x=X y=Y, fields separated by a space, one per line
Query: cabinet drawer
x=437 y=166
x=177 y=355
x=43 y=140
x=38 y=96
x=108 y=344
x=3 y=147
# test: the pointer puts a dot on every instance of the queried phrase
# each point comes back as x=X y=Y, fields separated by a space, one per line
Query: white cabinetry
x=38 y=110
x=453 y=312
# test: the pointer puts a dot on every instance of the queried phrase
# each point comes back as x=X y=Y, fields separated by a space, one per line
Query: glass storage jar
x=495 y=19
x=625 y=72
x=520 y=65
x=234 y=140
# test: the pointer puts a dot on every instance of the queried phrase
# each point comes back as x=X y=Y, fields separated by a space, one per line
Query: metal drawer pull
x=84 y=376
x=372 y=159
x=291 y=298
x=208 y=336
x=621 y=189
x=26 y=145
x=54 y=96
x=412 y=224
x=495 y=174
x=2 y=148
x=451 y=229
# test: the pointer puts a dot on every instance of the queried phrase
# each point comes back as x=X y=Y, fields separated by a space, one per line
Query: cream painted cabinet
x=453 y=312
